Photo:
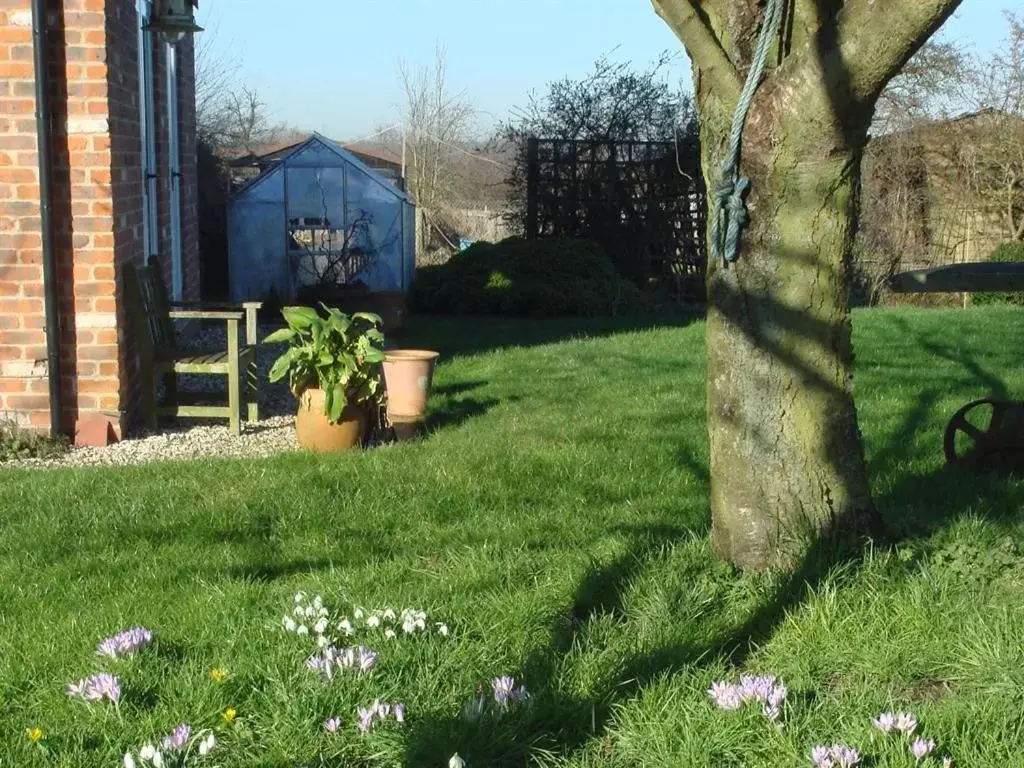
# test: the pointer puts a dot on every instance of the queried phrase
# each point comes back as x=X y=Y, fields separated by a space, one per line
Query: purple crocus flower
x=178 y=738
x=726 y=695
x=821 y=756
x=503 y=688
x=906 y=723
x=399 y=712
x=332 y=724
x=773 y=703
x=125 y=643
x=756 y=688
x=383 y=709
x=845 y=757
x=367 y=715
x=835 y=756
x=367 y=659
x=922 y=748
x=885 y=722
x=97 y=688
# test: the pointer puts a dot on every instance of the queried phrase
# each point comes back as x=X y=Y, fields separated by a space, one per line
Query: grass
x=556 y=519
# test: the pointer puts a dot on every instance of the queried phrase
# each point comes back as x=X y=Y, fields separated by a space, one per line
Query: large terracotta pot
x=407 y=376
x=316 y=433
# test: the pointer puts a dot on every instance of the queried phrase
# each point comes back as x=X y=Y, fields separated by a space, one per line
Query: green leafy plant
x=17 y=443
x=339 y=353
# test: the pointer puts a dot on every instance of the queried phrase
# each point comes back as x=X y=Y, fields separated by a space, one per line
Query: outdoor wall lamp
x=173 y=19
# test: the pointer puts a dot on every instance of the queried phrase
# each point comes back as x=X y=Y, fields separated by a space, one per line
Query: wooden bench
x=153 y=314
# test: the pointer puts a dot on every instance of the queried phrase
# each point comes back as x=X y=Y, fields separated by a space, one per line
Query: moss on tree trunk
x=787 y=463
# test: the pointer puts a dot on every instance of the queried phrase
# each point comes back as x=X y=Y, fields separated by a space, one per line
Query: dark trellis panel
x=644 y=202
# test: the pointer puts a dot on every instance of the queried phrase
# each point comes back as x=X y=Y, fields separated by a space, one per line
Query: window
x=147 y=129
x=148 y=138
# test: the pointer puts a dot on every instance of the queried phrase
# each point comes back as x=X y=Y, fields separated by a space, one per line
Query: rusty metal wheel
x=986 y=434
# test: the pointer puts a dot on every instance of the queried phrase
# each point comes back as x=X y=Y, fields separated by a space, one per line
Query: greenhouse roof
x=344 y=157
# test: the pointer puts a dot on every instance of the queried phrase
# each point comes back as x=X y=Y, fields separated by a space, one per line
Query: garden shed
x=319 y=215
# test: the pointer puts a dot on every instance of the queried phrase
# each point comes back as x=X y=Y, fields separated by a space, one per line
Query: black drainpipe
x=44 y=132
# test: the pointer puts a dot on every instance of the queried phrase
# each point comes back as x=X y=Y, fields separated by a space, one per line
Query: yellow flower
x=35 y=734
x=218 y=674
x=229 y=714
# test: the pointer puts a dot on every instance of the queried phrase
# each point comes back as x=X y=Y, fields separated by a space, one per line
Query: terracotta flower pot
x=316 y=433
x=407 y=375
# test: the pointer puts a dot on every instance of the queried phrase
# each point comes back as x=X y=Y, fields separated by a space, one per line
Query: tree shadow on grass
x=451 y=412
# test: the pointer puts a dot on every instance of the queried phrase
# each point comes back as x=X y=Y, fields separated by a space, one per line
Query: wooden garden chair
x=153 y=315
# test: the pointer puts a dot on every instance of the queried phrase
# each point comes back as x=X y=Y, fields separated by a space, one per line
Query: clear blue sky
x=331 y=65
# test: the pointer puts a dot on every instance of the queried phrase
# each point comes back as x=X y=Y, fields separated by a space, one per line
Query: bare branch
x=702 y=46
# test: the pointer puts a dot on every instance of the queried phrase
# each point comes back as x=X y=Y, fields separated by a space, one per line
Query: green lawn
x=556 y=520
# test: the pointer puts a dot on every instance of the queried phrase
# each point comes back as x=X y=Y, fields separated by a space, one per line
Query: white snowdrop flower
x=158 y=759
x=147 y=752
x=300 y=597
x=310 y=612
x=207 y=744
x=346 y=626
x=442 y=630
x=299 y=611
x=129 y=761
x=373 y=621
x=456 y=762
x=318 y=601
x=389 y=614
x=302 y=630
x=358 y=613
x=322 y=641
x=321 y=626
x=289 y=624
x=389 y=633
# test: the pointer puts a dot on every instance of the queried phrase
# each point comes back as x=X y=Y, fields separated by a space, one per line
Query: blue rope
x=730 y=214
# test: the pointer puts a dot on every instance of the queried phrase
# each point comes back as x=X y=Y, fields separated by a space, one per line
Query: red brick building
x=123 y=178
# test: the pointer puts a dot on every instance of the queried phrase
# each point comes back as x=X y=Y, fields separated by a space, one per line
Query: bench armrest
x=214 y=305
x=200 y=314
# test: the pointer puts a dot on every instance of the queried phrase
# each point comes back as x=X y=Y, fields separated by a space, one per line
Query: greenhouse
x=319 y=215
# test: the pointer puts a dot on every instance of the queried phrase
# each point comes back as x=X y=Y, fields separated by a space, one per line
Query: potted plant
x=408 y=374
x=333 y=367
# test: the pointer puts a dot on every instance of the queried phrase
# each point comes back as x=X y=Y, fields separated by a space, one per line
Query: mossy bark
x=787 y=463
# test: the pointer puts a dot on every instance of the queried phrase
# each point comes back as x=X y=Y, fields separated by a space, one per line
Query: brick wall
x=97 y=205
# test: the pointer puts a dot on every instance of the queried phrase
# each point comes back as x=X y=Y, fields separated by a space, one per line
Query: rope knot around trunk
x=730 y=215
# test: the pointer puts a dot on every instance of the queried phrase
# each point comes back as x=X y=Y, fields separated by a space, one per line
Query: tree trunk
x=787 y=463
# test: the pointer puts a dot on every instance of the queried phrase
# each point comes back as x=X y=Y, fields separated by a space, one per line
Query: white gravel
x=199 y=438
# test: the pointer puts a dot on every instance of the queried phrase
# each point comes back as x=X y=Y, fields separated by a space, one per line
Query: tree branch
x=702 y=46
x=877 y=37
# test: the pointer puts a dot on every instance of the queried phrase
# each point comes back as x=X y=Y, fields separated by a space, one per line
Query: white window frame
x=147 y=131
x=174 y=168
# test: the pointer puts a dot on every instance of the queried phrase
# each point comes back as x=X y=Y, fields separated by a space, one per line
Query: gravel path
x=199 y=438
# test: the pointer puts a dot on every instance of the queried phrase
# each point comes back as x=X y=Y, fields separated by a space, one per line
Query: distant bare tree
x=214 y=78
x=931 y=86
x=436 y=120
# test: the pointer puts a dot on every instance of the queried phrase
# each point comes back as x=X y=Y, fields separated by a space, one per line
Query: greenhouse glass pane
x=257 y=260
x=380 y=212
x=315 y=196
x=316 y=155
x=270 y=188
